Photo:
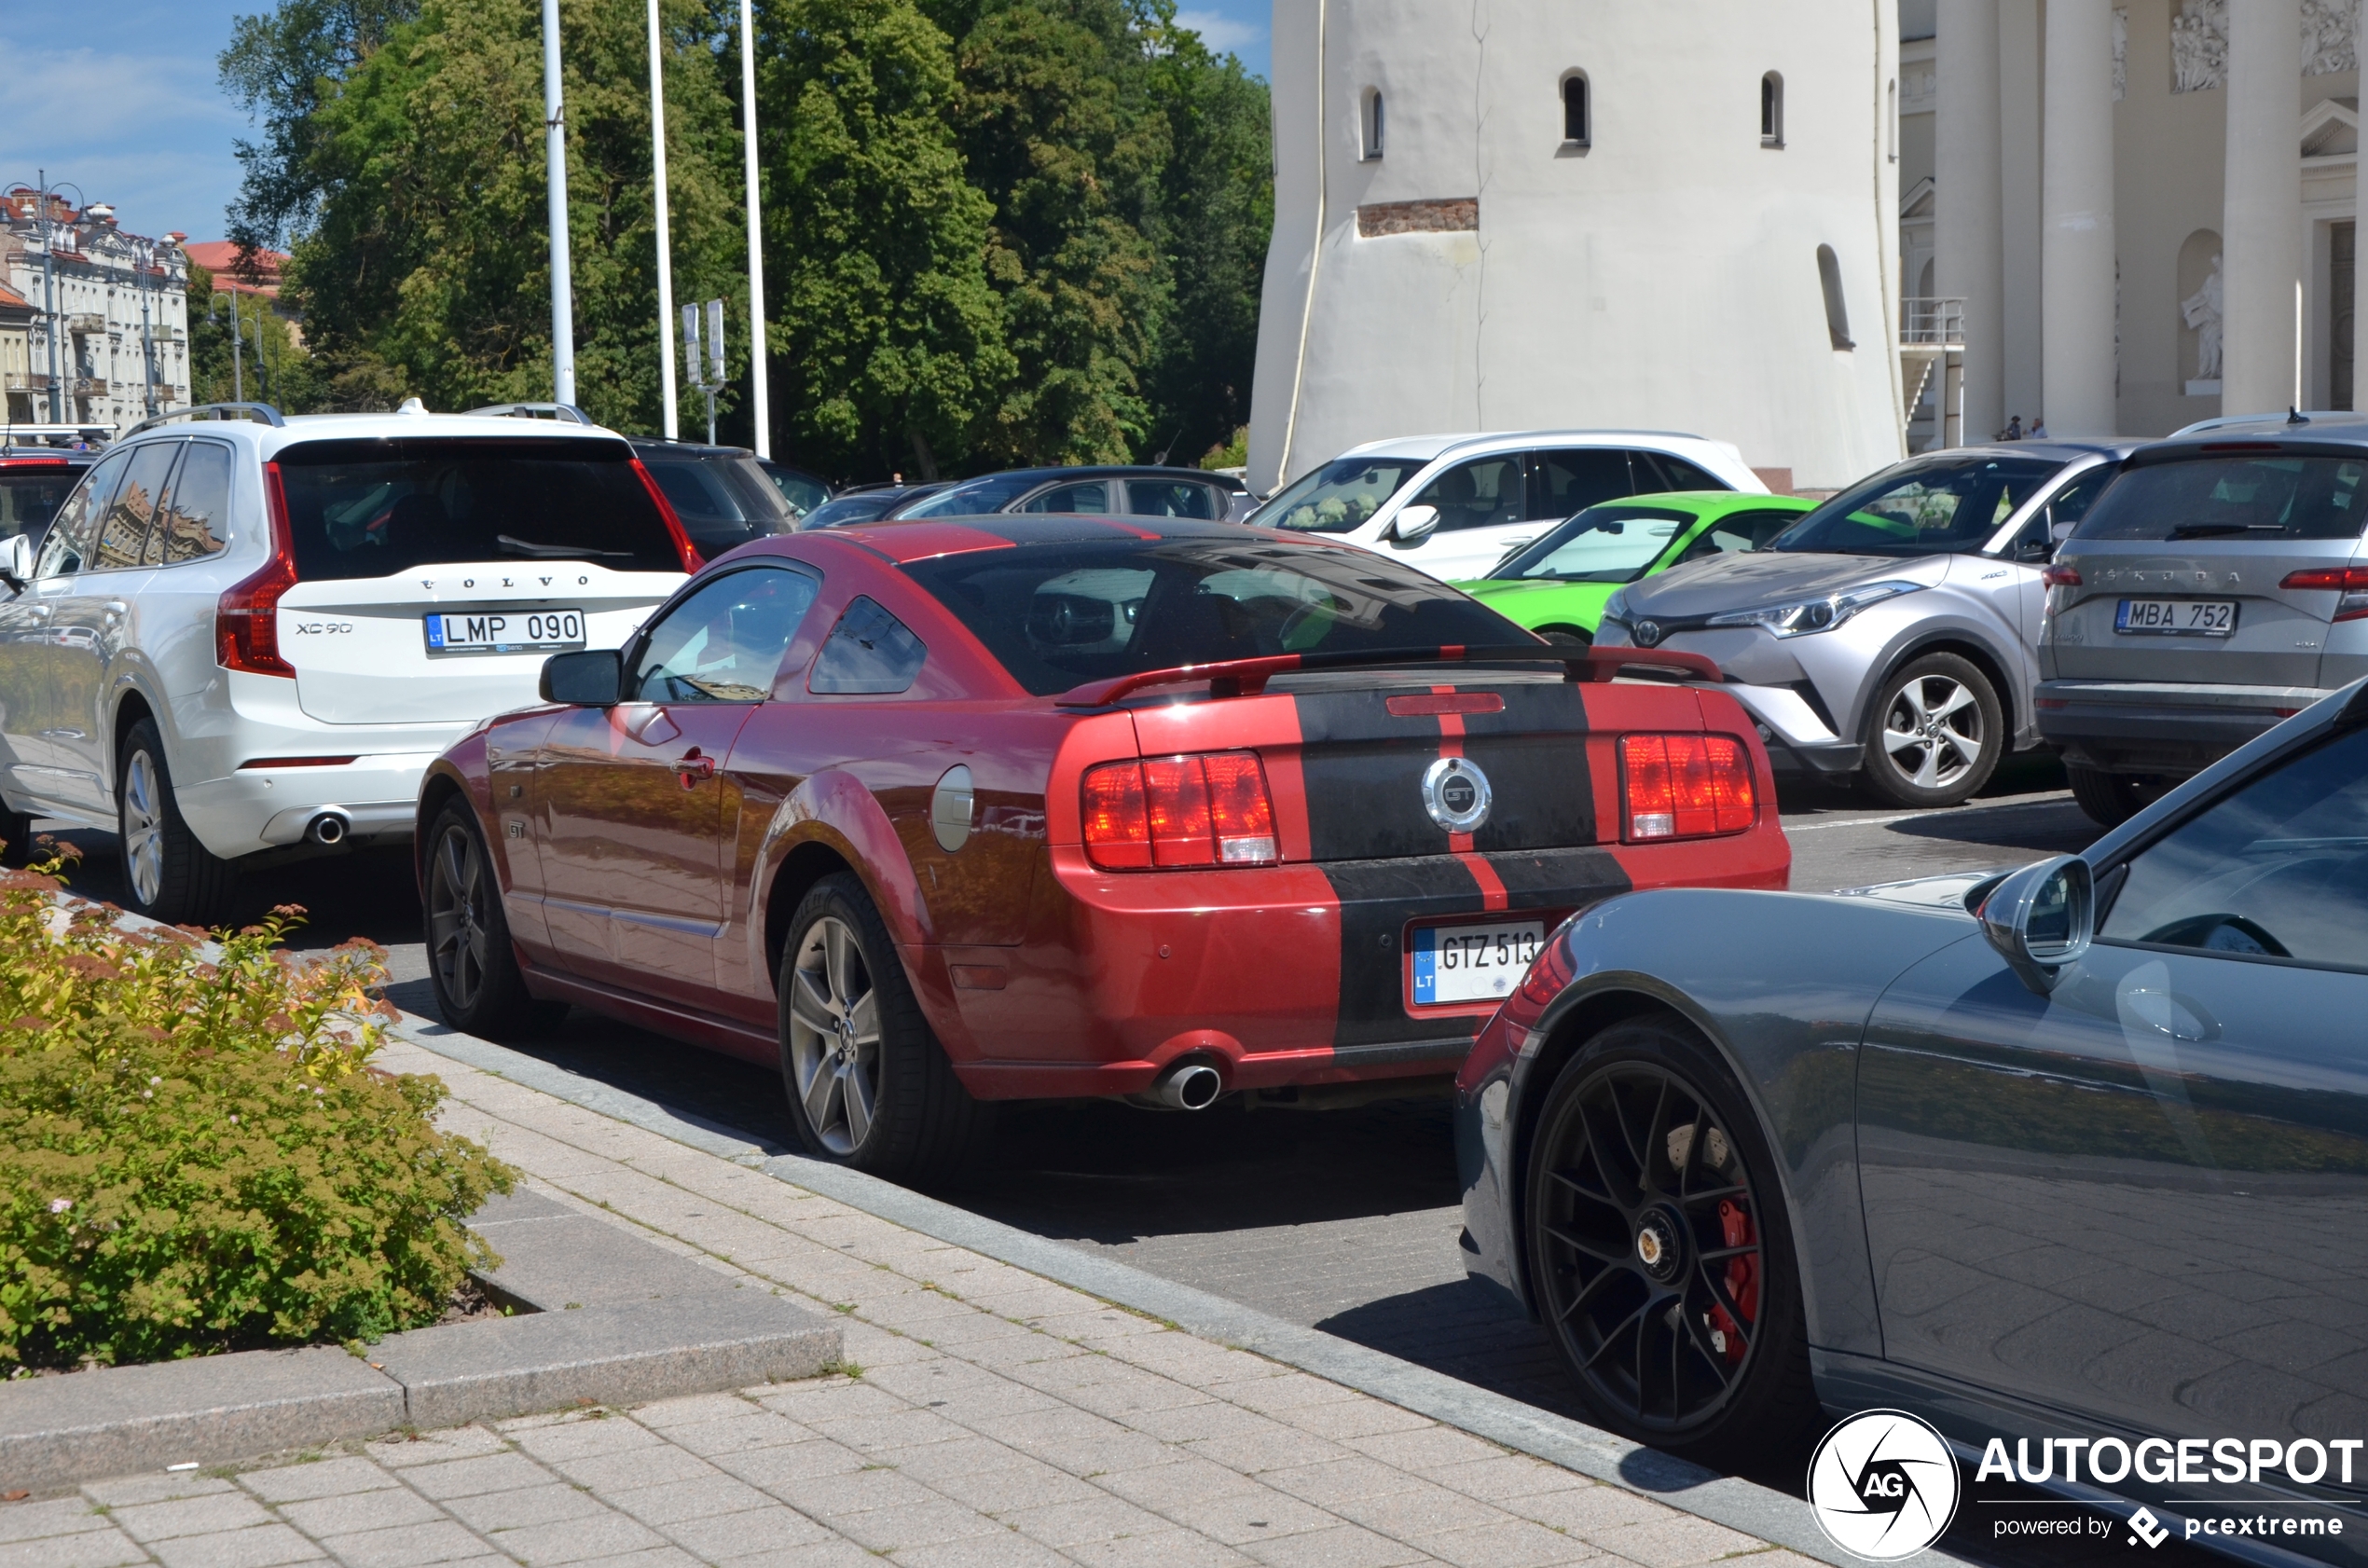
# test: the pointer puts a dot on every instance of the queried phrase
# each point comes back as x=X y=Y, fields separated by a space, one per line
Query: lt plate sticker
x=1473 y=963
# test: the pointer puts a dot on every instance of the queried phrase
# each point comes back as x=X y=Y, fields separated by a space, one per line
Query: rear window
x=723 y=502
x=29 y=496
x=1057 y=615
x=2268 y=496
x=374 y=508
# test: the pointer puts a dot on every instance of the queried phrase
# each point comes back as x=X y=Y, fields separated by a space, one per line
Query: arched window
x=1829 y=273
x=1771 y=110
x=1576 y=131
x=1371 y=129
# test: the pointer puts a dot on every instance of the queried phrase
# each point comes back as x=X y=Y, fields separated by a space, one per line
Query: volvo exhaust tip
x=1193 y=1086
x=330 y=827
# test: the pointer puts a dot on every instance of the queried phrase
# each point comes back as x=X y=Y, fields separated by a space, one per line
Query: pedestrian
x=2039 y=427
x=2014 y=429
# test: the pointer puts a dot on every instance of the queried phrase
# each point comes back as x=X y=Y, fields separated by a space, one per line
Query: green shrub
x=195 y=1152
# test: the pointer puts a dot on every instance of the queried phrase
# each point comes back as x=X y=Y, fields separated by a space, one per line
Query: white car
x=1456 y=506
x=248 y=633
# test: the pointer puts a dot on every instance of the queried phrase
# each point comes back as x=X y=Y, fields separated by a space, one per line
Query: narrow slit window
x=1829 y=274
x=1771 y=110
x=1374 y=122
x=1575 y=123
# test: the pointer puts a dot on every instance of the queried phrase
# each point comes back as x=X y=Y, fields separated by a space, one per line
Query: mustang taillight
x=246 y=619
x=1685 y=786
x=1174 y=812
x=2349 y=581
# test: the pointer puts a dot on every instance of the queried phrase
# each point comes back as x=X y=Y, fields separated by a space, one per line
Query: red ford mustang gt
x=938 y=813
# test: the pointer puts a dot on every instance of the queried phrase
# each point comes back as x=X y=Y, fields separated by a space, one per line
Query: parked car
x=1557 y=586
x=2217 y=589
x=933 y=814
x=34 y=482
x=245 y=633
x=1456 y=506
x=2072 y=1152
x=1891 y=635
x=1132 y=492
x=722 y=494
x=862 y=504
x=803 y=492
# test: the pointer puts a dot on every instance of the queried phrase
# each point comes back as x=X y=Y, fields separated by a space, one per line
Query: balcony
x=84 y=324
x=1932 y=323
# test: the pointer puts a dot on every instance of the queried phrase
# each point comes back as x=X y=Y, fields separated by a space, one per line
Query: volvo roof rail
x=261 y=413
x=566 y=413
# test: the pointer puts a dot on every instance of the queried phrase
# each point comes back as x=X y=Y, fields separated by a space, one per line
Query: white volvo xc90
x=247 y=632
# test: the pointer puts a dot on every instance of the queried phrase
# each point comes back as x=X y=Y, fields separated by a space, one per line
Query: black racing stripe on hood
x=1377 y=899
x=1363 y=767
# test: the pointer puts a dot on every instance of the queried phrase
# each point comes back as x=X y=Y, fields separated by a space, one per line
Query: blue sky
x=121 y=98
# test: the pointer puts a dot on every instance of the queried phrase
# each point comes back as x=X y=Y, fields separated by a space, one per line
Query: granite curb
x=609 y=1319
x=1762 y=1511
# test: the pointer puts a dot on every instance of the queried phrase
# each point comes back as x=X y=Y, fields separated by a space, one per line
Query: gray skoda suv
x=2218 y=587
x=1890 y=634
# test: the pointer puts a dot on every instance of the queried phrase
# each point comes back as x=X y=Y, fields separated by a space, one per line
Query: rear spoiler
x=1234 y=678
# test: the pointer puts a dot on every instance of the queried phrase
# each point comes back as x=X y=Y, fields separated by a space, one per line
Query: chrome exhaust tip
x=1193 y=1086
x=330 y=827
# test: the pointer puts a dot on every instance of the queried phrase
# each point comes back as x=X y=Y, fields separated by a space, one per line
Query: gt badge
x=1456 y=793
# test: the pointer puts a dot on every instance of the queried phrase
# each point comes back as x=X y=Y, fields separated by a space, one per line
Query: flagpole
x=555 y=155
x=665 y=241
x=758 y=379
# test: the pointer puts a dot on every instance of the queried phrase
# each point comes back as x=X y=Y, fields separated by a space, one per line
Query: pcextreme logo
x=1883 y=1485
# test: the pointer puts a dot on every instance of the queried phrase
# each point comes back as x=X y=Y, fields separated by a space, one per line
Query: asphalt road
x=1343 y=1220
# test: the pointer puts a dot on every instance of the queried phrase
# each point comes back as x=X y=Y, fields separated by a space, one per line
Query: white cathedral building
x=1828 y=231
x=1525 y=214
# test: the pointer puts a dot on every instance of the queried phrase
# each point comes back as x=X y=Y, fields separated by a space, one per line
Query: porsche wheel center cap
x=1657 y=1247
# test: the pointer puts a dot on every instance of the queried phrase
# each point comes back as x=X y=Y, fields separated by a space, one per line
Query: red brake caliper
x=1743 y=1285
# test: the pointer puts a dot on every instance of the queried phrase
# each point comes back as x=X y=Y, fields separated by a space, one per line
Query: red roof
x=10 y=296
x=220 y=258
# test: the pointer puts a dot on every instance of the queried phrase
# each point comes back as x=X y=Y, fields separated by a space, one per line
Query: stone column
x=2076 y=218
x=1969 y=253
x=2261 y=234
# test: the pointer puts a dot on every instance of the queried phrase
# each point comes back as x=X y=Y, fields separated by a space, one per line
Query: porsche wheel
x=474 y=970
x=1935 y=734
x=1659 y=1250
x=167 y=875
x=868 y=1083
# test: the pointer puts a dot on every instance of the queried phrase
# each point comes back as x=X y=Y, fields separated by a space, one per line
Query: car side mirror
x=16 y=560
x=2041 y=919
x=591 y=678
x=1414 y=524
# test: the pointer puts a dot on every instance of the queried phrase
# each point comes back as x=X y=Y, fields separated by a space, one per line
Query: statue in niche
x=2201 y=310
x=2199 y=45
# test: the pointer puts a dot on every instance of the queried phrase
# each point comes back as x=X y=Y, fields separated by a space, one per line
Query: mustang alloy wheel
x=167 y=875
x=1933 y=735
x=1657 y=1251
x=834 y=1035
x=479 y=988
x=868 y=1084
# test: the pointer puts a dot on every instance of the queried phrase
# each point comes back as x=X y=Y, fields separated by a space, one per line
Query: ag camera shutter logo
x=1884 y=1485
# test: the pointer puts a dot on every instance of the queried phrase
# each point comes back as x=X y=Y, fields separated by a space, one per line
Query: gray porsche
x=2073 y=1154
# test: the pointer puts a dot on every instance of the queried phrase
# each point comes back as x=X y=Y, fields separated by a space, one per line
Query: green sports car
x=1556 y=585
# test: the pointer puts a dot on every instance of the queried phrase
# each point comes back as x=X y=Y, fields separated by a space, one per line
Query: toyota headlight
x=1616 y=607
x=1804 y=616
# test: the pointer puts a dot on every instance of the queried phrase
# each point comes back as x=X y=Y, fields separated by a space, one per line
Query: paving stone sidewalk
x=989 y=1417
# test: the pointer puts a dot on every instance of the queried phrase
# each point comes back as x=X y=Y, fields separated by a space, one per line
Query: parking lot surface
x=1342 y=1220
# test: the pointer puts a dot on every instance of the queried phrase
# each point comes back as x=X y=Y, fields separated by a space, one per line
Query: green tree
x=281 y=372
x=890 y=341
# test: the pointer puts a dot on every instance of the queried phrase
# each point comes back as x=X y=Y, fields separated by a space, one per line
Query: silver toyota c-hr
x=1892 y=633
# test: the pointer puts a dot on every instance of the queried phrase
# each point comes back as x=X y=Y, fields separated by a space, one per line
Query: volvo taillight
x=1685 y=786
x=1172 y=813
x=246 y=619
x=2349 y=581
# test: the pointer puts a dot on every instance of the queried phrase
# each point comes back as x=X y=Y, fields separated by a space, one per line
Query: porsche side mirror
x=591 y=678
x=16 y=560
x=2041 y=919
x=1414 y=524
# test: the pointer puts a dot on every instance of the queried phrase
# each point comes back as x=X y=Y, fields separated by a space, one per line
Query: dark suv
x=2216 y=588
x=723 y=494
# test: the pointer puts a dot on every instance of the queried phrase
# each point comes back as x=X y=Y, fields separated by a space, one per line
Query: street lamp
x=43 y=192
x=238 y=358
